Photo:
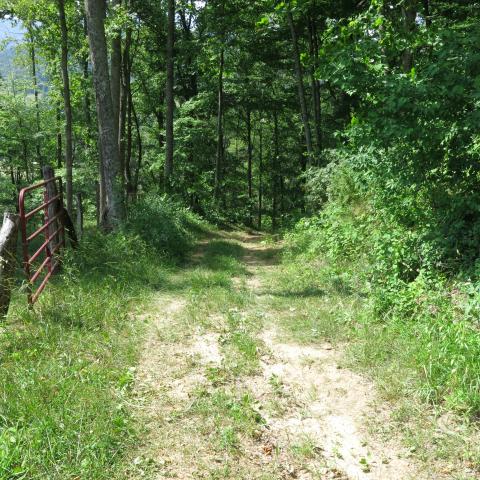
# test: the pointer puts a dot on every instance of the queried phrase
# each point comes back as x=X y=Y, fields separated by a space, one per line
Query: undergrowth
x=67 y=365
x=354 y=272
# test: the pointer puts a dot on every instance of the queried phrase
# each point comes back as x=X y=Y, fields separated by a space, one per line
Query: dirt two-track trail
x=293 y=412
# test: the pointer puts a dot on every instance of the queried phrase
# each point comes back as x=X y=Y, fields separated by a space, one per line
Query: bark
x=86 y=96
x=315 y=83
x=116 y=73
x=124 y=105
x=426 y=12
x=139 y=150
x=169 y=98
x=79 y=215
x=249 y=166
x=409 y=13
x=59 y=140
x=8 y=248
x=128 y=153
x=113 y=212
x=276 y=152
x=220 y=147
x=67 y=106
x=35 y=93
x=301 y=87
x=260 y=178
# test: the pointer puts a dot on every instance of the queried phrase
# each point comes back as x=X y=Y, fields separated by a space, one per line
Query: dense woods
x=349 y=128
x=227 y=106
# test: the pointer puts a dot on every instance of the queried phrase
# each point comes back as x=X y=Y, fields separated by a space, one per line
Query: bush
x=420 y=316
x=163 y=225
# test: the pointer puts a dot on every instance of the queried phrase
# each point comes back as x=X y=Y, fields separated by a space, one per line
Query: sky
x=9 y=30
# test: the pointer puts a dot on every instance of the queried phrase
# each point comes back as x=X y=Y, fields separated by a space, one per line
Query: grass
x=67 y=366
x=315 y=301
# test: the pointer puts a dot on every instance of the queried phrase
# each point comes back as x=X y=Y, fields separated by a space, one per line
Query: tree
x=113 y=213
x=68 y=107
x=169 y=96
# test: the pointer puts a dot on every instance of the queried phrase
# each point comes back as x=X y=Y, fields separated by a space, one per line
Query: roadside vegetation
x=67 y=365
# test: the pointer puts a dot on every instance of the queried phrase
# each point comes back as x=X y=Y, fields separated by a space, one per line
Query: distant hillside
x=6 y=60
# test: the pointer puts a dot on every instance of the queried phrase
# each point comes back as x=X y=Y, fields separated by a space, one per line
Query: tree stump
x=8 y=248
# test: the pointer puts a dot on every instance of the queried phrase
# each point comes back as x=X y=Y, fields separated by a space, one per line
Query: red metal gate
x=49 y=215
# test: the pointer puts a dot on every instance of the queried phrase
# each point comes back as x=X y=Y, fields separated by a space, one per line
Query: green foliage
x=164 y=226
x=414 y=320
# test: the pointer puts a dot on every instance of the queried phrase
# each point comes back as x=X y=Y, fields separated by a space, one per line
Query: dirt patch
x=207 y=348
x=326 y=409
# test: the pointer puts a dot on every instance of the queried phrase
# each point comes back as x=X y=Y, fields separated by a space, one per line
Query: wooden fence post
x=8 y=250
x=57 y=207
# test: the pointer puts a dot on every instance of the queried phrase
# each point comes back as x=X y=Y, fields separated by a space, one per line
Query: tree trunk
x=276 y=152
x=35 y=93
x=220 y=148
x=260 y=178
x=128 y=153
x=86 y=95
x=409 y=13
x=59 y=139
x=315 y=84
x=301 y=88
x=168 y=170
x=8 y=250
x=113 y=212
x=79 y=215
x=249 y=166
x=139 y=150
x=426 y=12
x=116 y=74
x=67 y=106
x=56 y=208
x=124 y=105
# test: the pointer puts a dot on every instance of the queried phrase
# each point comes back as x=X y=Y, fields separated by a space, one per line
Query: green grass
x=229 y=415
x=67 y=366
x=422 y=352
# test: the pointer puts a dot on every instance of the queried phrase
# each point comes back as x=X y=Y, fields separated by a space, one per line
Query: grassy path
x=224 y=390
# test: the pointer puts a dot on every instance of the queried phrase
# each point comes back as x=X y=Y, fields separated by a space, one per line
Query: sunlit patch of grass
x=306 y=448
x=229 y=414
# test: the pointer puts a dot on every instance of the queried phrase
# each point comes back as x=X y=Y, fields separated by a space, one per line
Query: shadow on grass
x=308 y=292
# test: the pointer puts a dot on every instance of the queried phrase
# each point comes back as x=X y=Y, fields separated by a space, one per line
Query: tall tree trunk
x=116 y=73
x=220 y=147
x=276 y=153
x=409 y=12
x=124 y=102
x=315 y=84
x=139 y=149
x=301 y=88
x=426 y=12
x=168 y=170
x=35 y=92
x=249 y=166
x=67 y=106
x=86 y=94
x=113 y=212
x=59 y=139
x=260 y=177
x=128 y=153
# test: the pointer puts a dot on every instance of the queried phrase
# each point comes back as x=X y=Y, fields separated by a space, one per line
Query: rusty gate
x=45 y=218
